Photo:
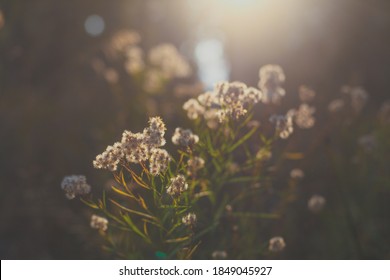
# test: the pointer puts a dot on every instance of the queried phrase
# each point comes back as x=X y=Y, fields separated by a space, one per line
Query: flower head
x=158 y=162
x=184 y=137
x=271 y=78
x=177 y=186
x=189 y=219
x=316 y=203
x=284 y=124
x=194 y=164
x=276 y=244
x=74 y=185
x=99 y=223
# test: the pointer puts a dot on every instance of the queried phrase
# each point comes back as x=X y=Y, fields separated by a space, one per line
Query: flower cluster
x=194 y=164
x=271 y=78
x=226 y=100
x=284 y=124
x=99 y=223
x=316 y=203
x=138 y=147
x=304 y=116
x=297 y=173
x=177 y=186
x=276 y=244
x=168 y=59
x=189 y=219
x=74 y=185
x=184 y=137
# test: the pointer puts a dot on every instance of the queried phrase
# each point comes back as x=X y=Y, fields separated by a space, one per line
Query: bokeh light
x=94 y=25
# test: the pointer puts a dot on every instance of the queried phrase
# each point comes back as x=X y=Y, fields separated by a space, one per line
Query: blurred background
x=57 y=112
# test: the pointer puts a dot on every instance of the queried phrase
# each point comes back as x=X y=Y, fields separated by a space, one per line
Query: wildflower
x=336 y=105
x=194 y=164
x=184 y=137
x=110 y=158
x=316 y=203
x=189 y=219
x=74 y=185
x=208 y=99
x=276 y=244
x=193 y=108
x=284 y=124
x=133 y=146
x=99 y=223
x=304 y=116
x=219 y=255
x=232 y=97
x=177 y=186
x=306 y=94
x=158 y=162
x=169 y=60
x=154 y=134
x=271 y=78
x=297 y=173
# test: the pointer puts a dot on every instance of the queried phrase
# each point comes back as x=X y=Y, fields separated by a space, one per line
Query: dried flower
x=134 y=62
x=177 y=186
x=193 y=108
x=184 y=137
x=134 y=147
x=189 y=219
x=74 y=185
x=316 y=203
x=284 y=124
x=264 y=154
x=124 y=39
x=110 y=158
x=271 y=78
x=168 y=59
x=276 y=244
x=158 y=162
x=304 y=116
x=194 y=164
x=154 y=134
x=99 y=223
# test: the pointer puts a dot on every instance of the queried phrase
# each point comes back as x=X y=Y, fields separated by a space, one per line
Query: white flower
x=304 y=116
x=271 y=78
x=158 y=162
x=99 y=223
x=194 y=164
x=184 y=137
x=284 y=124
x=193 y=108
x=316 y=203
x=276 y=244
x=74 y=185
x=189 y=219
x=177 y=186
